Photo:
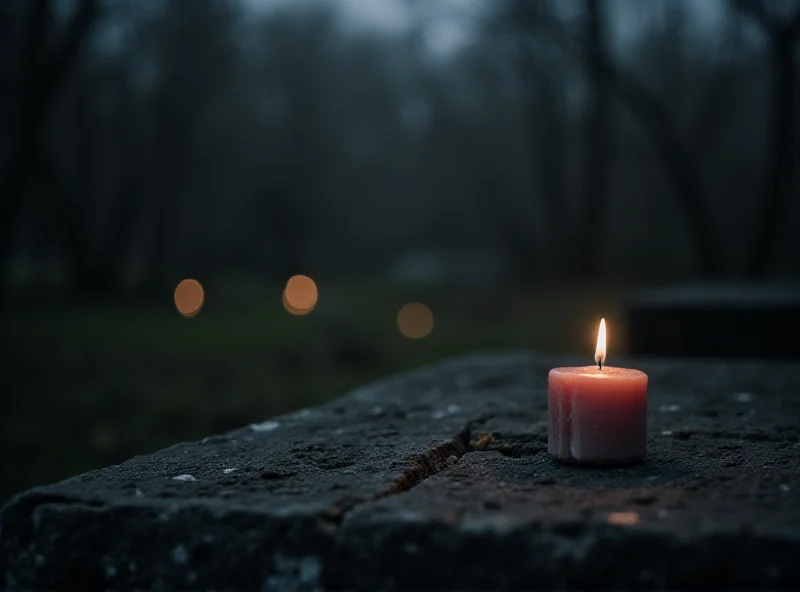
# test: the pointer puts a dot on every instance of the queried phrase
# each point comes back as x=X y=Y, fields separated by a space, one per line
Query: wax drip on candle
x=600 y=350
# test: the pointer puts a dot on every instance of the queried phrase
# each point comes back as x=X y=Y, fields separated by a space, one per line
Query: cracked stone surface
x=439 y=479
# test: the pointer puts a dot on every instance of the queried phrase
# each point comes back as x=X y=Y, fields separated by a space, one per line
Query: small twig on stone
x=483 y=441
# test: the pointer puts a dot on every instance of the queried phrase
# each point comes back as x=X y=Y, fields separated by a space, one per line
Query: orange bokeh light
x=300 y=295
x=189 y=297
x=623 y=518
x=415 y=320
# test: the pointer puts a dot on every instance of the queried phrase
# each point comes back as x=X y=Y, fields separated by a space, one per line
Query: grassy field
x=90 y=387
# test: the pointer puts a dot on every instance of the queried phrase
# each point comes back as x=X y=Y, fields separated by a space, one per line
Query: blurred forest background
x=516 y=165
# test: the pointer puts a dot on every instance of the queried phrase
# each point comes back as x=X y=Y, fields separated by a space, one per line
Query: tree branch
x=682 y=171
x=685 y=178
x=756 y=10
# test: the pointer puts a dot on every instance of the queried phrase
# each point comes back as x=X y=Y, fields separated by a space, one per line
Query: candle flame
x=600 y=351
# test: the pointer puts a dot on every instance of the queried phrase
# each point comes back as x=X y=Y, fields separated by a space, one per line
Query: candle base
x=600 y=462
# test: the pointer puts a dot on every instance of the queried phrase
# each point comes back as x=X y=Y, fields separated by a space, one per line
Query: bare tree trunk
x=545 y=124
x=126 y=215
x=65 y=218
x=597 y=174
x=778 y=191
x=782 y=36
x=550 y=151
x=169 y=166
x=164 y=234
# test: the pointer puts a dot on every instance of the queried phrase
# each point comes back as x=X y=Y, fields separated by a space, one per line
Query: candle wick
x=600 y=364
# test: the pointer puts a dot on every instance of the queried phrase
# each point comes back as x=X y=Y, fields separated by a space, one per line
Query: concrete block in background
x=716 y=321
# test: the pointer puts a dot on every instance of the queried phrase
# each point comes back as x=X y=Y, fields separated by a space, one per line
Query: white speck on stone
x=138 y=493
x=229 y=471
x=110 y=571
x=291 y=571
x=309 y=570
x=340 y=431
x=669 y=408
x=784 y=488
x=377 y=410
x=305 y=413
x=742 y=397
x=264 y=426
x=449 y=410
x=666 y=433
x=185 y=477
x=180 y=555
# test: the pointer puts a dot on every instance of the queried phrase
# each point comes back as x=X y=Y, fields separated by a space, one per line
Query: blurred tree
x=45 y=64
x=94 y=170
x=718 y=79
x=780 y=22
x=545 y=124
x=296 y=48
x=195 y=58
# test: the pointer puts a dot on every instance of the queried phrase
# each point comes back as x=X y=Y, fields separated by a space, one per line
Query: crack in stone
x=422 y=467
x=431 y=463
x=440 y=458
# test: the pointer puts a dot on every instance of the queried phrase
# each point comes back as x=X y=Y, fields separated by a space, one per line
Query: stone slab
x=439 y=479
x=716 y=320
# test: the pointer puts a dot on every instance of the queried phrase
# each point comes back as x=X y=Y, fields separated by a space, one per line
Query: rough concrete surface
x=439 y=479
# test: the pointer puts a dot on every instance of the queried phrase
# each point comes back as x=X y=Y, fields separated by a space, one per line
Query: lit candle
x=598 y=414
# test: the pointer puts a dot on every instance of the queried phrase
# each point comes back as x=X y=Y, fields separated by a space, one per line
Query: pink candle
x=598 y=414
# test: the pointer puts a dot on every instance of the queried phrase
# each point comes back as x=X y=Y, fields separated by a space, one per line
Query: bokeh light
x=415 y=320
x=300 y=295
x=623 y=518
x=189 y=297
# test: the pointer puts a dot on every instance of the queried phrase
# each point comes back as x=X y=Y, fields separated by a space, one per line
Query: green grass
x=91 y=387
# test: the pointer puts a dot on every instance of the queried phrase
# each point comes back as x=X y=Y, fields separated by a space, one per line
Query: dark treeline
x=149 y=140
